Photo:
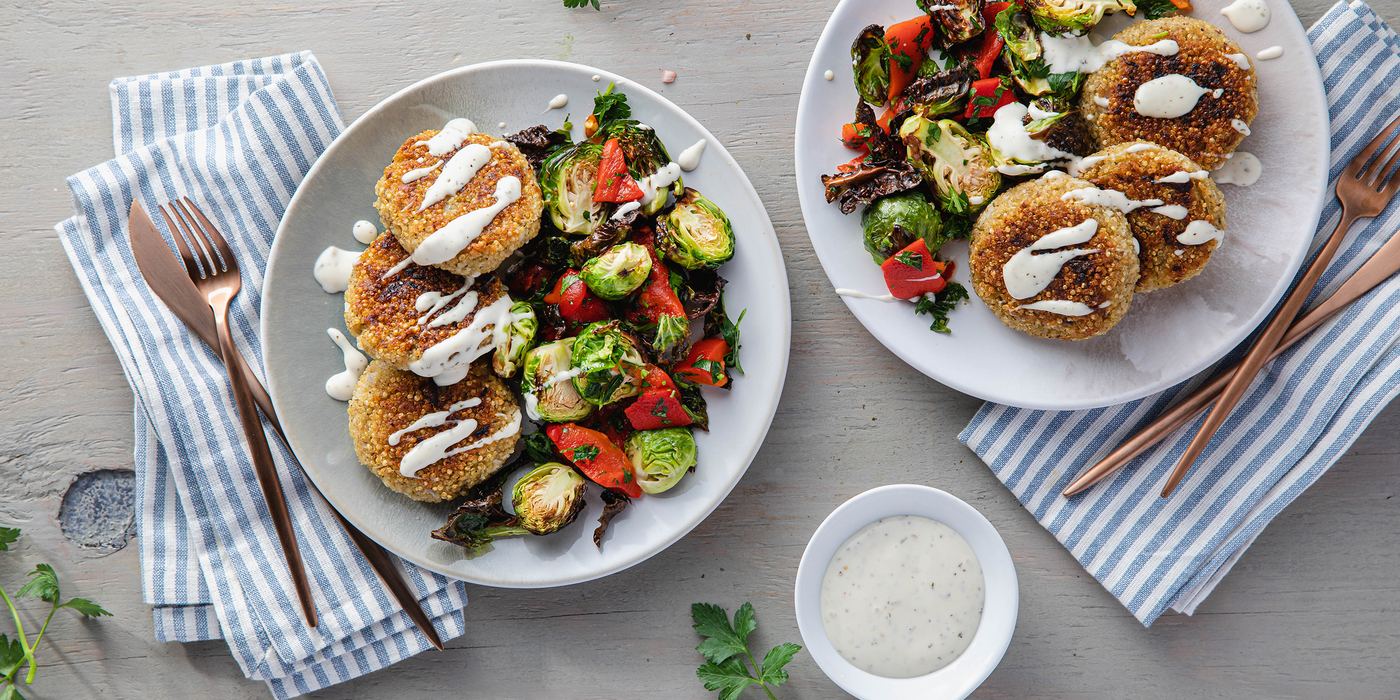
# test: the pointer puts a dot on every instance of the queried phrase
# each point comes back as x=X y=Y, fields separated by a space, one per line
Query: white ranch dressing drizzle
x=1247 y=16
x=1027 y=274
x=1137 y=249
x=829 y=75
x=558 y=102
x=626 y=208
x=501 y=125
x=458 y=312
x=435 y=448
x=419 y=173
x=1112 y=199
x=456 y=174
x=1070 y=53
x=1174 y=211
x=902 y=597
x=1270 y=53
x=1063 y=307
x=1243 y=171
x=1139 y=147
x=446 y=242
x=1183 y=176
x=1009 y=137
x=532 y=399
x=450 y=138
x=596 y=78
x=332 y=270
x=396 y=269
x=1168 y=97
x=364 y=231
x=1240 y=126
x=341 y=386
x=436 y=419
x=448 y=361
x=857 y=294
x=1240 y=60
x=659 y=180
x=976 y=199
x=1199 y=232
x=433 y=302
x=689 y=159
x=1101 y=101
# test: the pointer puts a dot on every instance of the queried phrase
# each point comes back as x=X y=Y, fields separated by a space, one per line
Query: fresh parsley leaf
x=583 y=452
x=1156 y=9
x=43 y=584
x=10 y=693
x=8 y=535
x=710 y=367
x=723 y=642
x=730 y=332
x=86 y=608
x=729 y=678
x=911 y=259
x=726 y=648
x=539 y=447
x=582 y=3
x=11 y=656
x=772 y=672
x=609 y=105
x=940 y=304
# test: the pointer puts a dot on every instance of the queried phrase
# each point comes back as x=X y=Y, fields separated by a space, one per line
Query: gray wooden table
x=1312 y=611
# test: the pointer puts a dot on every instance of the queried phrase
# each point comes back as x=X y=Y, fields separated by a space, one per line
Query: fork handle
x=261 y=455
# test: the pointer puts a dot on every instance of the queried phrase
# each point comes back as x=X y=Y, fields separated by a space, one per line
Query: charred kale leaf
x=866 y=182
x=614 y=502
x=537 y=142
x=476 y=523
x=942 y=92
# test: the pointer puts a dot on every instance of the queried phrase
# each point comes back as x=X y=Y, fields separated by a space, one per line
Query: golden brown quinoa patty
x=1162 y=260
x=1205 y=134
x=388 y=400
x=1103 y=281
x=398 y=202
x=382 y=313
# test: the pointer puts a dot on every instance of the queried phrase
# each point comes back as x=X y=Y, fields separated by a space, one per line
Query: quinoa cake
x=1209 y=132
x=399 y=202
x=1093 y=287
x=1188 y=195
x=387 y=402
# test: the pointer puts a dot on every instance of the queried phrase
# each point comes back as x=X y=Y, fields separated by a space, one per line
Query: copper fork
x=1365 y=188
x=214 y=271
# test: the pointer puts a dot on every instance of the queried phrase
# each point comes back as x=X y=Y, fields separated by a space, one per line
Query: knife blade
x=168 y=278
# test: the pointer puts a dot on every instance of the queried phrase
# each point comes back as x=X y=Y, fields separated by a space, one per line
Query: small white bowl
x=956 y=680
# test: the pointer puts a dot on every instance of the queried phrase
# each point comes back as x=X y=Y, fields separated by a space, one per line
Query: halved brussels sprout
x=545 y=382
x=1025 y=57
x=695 y=234
x=941 y=92
x=645 y=155
x=548 y=497
x=1017 y=31
x=520 y=337
x=660 y=457
x=476 y=523
x=961 y=19
x=870 y=58
x=1059 y=125
x=1076 y=16
x=567 y=180
x=609 y=367
x=617 y=272
x=891 y=223
x=670 y=339
x=958 y=163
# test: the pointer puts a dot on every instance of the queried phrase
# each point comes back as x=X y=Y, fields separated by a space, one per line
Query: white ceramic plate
x=299 y=356
x=1168 y=335
x=956 y=680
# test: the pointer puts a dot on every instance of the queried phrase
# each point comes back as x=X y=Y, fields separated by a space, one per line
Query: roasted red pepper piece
x=614 y=184
x=855 y=134
x=657 y=409
x=596 y=456
x=1000 y=94
x=576 y=303
x=656 y=379
x=912 y=272
x=705 y=363
x=854 y=164
x=528 y=280
x=909 y=42
x=992 y=42
x=657 y=298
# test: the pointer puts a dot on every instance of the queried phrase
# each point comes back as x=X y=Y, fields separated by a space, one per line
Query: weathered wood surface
x=1310 y=612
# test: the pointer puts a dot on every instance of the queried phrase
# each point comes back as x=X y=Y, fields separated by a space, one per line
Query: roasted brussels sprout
x=960 y=19
x=941 y=92
x=1013 y=151
x=606 y=235
x=695 y=234
x=958 y=163
x=660 y=457
x=567 y=180
x=618 y=272
x=548 y=497
x=1076 y=16
x=478 y=522
x=520 y=337
x=608 y=364
x=545 y=382
x=870 y=58
x=1059 y=125
x=891 y=223
x=645 y=155
x=1025 y=57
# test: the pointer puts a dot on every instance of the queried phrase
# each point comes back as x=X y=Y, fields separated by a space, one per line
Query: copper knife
x=166 y=275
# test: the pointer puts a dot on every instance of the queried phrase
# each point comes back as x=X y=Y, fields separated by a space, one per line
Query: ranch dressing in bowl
x=902 y=597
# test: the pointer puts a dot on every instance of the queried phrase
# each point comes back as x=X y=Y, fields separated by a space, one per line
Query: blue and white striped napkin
x=236 y=138
x=1298 y=418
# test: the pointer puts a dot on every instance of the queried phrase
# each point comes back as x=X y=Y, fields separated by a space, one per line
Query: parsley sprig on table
x=726 y=646
x=42 y=584
x=582 y=3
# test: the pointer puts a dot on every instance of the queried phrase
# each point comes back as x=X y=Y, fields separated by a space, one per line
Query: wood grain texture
x=1309 y=612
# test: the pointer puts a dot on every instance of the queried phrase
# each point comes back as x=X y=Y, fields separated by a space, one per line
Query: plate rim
x=765 y=225
x=807 y=102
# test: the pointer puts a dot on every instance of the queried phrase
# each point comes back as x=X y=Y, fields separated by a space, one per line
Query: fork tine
x=213 y=232
x=1354 y=169
x=192 y=260
x=1384 y=179
x=216 y=260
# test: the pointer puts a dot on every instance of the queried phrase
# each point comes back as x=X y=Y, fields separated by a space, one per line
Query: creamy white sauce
x=1137 y=247
x=436 y=419
x=1036 y=113
x=456 y=174
x=436 y=448
x=1101 y=101
x=1240 y=60
x=857 y=294
x=829 y=75
x=1107 y=304
x=976 y=200
x=450 y=138
x=1055 y=174
x=1112 y=199
x=448 y=361
x=1244 y=170
x=1139 y=147
x=558 y=102
x=1178 y=252
x=501 y=125
x=446 y=242
x=419 y=173
x=1174 y=211
x=364 y=231
x=1167 y=97
x=902 y=597
x=1216 y=93
x=1240 y=126
x=1027 y=274
x=626 y=208
x=1063 y=307
x=1183 y=176
x=1070 y=53
x=1248 y=16
x=659 y=181
x=342 y=386
x=596 y=78
x=333 y=268
x=396 y=269
x=1270 y=53
x=433 y=302
x=1085 y=163
x=1198 y=232
x=689 y=159
x=1008 y=135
